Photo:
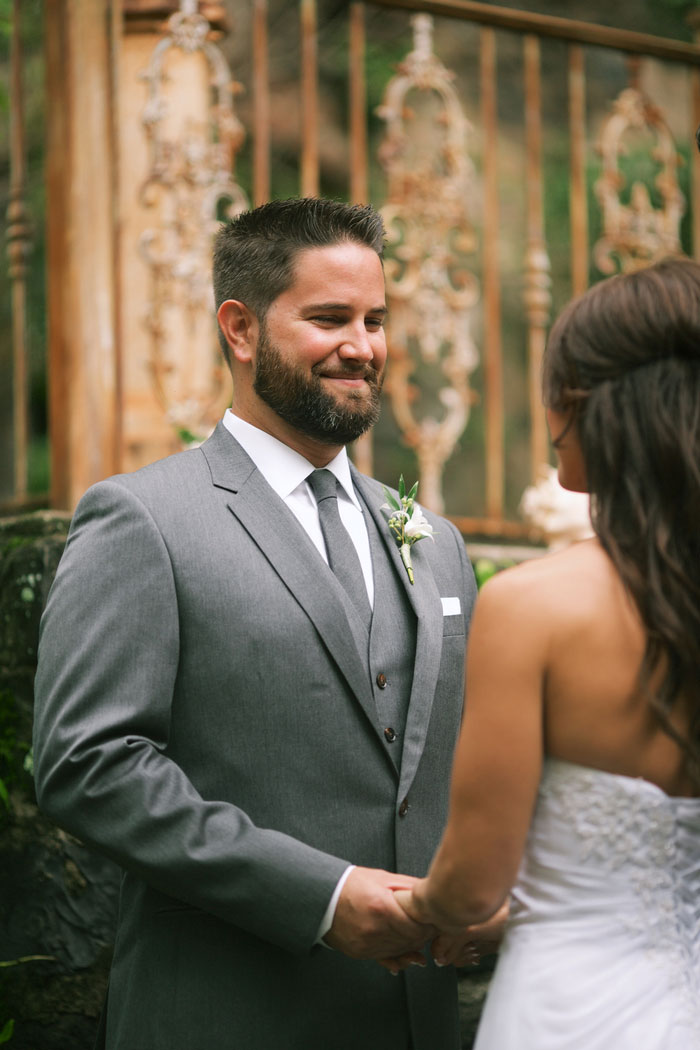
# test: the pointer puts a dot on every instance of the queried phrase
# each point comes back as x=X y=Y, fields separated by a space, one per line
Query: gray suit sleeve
x=108 y=660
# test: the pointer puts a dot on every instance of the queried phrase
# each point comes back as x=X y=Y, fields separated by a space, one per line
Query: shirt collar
x=283 y=468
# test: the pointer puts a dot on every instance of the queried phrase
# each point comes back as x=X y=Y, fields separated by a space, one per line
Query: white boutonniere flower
x=407 y=522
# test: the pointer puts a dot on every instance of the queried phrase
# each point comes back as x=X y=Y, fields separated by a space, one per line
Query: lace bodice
x=606 y=905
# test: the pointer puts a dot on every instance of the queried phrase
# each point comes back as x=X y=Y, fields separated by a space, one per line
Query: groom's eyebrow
x=382 y=310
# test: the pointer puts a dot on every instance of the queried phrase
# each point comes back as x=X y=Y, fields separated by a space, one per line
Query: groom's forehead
x=320 y=273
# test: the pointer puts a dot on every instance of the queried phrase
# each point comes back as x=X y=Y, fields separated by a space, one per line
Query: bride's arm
x=497 y=762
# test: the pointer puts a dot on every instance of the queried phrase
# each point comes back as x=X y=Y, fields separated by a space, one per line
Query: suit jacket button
x=381 y=680
x=390 y=734
x=403 y=808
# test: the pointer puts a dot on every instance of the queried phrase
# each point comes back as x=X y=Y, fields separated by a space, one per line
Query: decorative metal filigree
x=430 y=291
x=637 y=233
x=191 y=185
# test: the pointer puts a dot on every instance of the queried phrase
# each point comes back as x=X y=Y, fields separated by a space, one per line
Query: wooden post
x=80 y=163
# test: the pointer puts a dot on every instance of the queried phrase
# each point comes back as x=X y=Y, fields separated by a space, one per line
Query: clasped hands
x=373 y=920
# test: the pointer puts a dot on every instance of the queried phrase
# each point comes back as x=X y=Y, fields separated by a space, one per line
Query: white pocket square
x=451 y=606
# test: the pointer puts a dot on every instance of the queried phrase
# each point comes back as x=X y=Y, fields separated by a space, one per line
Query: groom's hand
x=368 y=921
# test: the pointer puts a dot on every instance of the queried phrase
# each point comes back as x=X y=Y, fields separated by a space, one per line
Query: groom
x=241 y=697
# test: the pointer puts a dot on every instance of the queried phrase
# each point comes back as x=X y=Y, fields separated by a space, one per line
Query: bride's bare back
x=593 y=710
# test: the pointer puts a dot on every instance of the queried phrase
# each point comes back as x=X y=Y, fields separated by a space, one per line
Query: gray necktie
x=342 y=556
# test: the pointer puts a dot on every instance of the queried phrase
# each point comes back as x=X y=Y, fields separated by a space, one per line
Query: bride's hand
x=467 y=947
x=410 y=901
x=405 y=899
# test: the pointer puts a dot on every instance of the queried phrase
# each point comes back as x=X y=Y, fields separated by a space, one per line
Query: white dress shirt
x=286 y=472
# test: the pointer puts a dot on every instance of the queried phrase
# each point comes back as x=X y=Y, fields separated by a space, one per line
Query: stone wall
x=57 y=899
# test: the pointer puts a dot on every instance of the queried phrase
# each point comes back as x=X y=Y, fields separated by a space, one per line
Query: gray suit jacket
x=203 y=717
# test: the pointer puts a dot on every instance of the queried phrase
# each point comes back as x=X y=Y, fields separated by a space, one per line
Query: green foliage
x=6 y=1031
x=13 y=543
x=8 y=730
x=187 y=437
x=15 y=752
x=485 y=568
x=391 y=499
x=38 y=468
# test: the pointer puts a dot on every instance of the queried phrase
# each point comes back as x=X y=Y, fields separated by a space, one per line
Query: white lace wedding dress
x=602 y=950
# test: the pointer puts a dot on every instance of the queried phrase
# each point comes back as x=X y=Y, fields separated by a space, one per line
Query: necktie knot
x=323 y=484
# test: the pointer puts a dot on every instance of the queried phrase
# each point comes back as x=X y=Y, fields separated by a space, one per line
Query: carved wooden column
x=177 y=148
x=81 y=173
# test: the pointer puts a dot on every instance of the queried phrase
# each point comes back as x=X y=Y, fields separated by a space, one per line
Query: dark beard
x=300 y=399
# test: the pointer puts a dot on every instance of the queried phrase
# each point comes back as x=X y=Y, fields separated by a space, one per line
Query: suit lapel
x=425 y=599
x=281 y=539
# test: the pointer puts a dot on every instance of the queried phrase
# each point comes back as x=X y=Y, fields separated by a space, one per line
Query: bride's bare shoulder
x=552 y=580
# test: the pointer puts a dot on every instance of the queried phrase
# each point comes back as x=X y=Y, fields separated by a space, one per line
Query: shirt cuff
x=329 y=914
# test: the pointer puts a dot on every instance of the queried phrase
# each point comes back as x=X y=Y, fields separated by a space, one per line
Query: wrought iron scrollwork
x=191 y=184
x=637 y=233
x=430 y=290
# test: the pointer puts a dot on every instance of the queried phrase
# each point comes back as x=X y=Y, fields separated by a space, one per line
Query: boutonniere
x=407 y=523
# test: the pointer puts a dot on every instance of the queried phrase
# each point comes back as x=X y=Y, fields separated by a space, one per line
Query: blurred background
x=518 y=154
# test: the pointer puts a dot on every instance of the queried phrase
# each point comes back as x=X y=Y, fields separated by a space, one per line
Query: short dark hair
x=254 y=253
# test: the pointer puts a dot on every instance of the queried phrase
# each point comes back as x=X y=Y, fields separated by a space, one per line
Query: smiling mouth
x=355 y=378
x=351 y=380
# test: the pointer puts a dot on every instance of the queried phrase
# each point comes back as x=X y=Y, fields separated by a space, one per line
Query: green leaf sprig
x=407 y=522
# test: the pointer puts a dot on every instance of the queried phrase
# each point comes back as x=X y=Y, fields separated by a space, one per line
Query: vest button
x=381 y=680
x=390 y=734
x=403 y=808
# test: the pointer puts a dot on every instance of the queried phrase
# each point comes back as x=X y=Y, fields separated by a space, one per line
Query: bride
x=576 y=785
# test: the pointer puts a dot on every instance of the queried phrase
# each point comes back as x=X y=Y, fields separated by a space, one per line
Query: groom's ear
x=240 y=329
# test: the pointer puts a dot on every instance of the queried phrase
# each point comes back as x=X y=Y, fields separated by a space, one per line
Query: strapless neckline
x=551 y=762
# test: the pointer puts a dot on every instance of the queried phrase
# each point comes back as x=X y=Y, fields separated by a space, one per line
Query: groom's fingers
x=369 y=923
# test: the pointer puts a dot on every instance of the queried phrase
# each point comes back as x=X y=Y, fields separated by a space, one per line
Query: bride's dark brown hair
x=624 y=361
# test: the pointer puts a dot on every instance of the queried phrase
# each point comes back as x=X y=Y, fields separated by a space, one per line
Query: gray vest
x=392 y=645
